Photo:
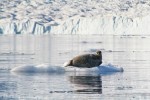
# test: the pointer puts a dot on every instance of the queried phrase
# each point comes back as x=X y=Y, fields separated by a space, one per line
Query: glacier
x=104 y=25
x=98 y=25
x=75 y=17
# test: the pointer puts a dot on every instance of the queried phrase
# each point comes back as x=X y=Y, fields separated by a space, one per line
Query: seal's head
x=98 y=52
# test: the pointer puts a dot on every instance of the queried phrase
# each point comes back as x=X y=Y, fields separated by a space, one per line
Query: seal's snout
x=99 y=52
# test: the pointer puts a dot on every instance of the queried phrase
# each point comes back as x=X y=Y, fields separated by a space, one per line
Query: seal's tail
x=69 y=63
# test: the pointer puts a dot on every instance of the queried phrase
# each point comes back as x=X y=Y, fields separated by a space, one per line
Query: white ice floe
x=74 y=17
x=109 y=68
x=102 y=69
x=43 y=68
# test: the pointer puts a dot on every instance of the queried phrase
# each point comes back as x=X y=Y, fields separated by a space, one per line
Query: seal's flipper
x=69 y=63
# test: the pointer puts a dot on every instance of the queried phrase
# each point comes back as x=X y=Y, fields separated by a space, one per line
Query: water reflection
x=87 y=84
x=8 y=86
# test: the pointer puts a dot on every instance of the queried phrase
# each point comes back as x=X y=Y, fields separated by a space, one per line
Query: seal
x=86 y=60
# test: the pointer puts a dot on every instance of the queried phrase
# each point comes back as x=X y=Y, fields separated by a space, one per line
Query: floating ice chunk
x=49 y=69
x=109 y=68
x=26 y=68
x=43 y=68
x=102 y=69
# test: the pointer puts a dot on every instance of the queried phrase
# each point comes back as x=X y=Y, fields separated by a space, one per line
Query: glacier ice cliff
x=74 y=17
x=104 y=25
x=76 y=25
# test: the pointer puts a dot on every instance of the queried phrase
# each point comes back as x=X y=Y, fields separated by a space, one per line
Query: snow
x=74 y=16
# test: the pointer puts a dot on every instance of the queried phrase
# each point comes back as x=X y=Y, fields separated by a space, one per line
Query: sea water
x=131 y=52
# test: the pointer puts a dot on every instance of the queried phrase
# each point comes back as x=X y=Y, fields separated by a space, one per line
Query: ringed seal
x=86 y=60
